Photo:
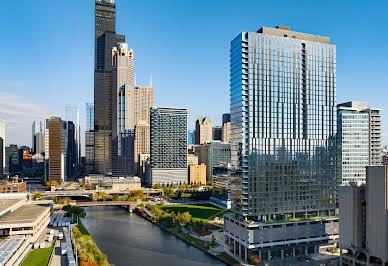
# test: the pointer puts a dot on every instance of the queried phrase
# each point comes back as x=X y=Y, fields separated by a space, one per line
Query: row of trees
x=131 y=196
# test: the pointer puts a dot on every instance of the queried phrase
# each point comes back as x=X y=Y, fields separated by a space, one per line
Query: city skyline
x=42 y=93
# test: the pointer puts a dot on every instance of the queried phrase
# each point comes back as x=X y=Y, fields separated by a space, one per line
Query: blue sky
x=46 y=51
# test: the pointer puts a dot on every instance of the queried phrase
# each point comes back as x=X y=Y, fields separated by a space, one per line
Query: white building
x=359 y=140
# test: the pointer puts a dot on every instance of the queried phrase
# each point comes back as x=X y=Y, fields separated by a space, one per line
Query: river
x=128 y=239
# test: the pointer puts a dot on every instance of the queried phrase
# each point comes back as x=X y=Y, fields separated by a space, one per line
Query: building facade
x=364 y=220
x=191 y=137
x=203 y=130
x=359 y=140
x=122 y=149
x=217 y=133
x=37 y=127
x=105 y=39
x=283 y=126
x=197 y=174
x=89 y=116
x=211 y=154
x=142 y=143
x=56 y=155
x=168 y=134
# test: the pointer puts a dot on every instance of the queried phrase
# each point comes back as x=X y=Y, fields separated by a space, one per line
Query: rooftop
x=5 y=204
x=26 y=214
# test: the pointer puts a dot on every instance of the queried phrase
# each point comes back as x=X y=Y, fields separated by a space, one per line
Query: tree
x=51 y=183
x=37 y=196
x=74 y=211
x=156 y=186
x=185 y=217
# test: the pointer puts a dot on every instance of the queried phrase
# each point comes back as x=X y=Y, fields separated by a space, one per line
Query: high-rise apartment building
x=364 y=220
x=203 y=130
x=211 y=154
x=105 y=39
x=37 y=127
x=283 y=152
x=359 y=140
x=56 y=159
x=168 y=162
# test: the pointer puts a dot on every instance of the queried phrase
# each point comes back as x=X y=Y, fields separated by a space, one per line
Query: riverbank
x=87 y=249
x=176 y=231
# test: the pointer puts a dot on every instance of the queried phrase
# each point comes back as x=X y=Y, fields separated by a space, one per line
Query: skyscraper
x=191 y=137
x=89 y=139
x=72 y=114
x=358 y=140
x=105 y=39
x=122 y=110
x=283 y=126
x=56 y=159
x=203 y=130
x=168 y=162
x=37 y=127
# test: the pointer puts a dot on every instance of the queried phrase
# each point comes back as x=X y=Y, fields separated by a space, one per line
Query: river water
x=128 y=239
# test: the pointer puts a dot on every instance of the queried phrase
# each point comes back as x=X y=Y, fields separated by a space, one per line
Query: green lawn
x=38 y=257
x=196 y=211
x=82 y=229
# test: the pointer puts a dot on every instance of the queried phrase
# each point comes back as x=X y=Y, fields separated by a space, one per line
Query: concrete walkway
x=56 y=259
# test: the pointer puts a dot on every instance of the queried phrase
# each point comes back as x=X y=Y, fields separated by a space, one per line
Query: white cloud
x=17 y=84
x=18 y=114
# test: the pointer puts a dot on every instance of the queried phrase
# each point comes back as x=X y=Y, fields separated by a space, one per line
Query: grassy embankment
x=38 y=257
x=203 y=213
x=172 y=217
x=88 y=252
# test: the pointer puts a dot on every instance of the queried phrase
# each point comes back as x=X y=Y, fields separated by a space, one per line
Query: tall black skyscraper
x=105 y=39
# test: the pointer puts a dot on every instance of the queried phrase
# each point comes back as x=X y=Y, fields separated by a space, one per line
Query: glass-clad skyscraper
x=283 y=124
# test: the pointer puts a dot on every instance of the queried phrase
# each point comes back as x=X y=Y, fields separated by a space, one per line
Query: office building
x=217 y=133
x=39 y=142
x=283 y=152
x=143 y=101
x=142 y=142
x=89 y=152
x=89 y=116
x=105 y=39
x=359 y=140
x=197 y=174
x=70 y=149
x=56 y=156
x=72 y=114
x=364 y=220
x=123 y=123
x=21 y=225
x=12 y=157
x=168 y=161
x=203 y=130
x=225 y=118
x=37 y=127
x=211 y=154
